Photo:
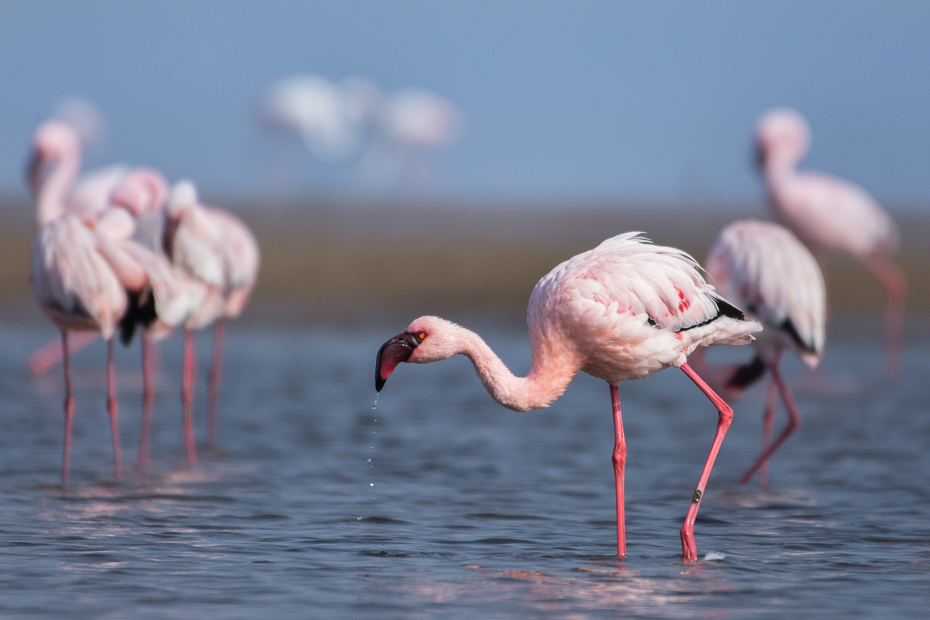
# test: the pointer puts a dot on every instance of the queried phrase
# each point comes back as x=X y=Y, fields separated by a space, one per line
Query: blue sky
x=585 y=100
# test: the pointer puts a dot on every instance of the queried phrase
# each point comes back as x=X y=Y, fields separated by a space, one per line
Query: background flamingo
x=765 y=270
x=77 y=289
x=624 y=310
x=216 y=248
x=829 y=213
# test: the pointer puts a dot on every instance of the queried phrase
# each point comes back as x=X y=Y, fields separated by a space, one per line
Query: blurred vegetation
x=331 y=261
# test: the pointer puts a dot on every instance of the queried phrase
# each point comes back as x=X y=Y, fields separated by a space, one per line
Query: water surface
x=441 y=503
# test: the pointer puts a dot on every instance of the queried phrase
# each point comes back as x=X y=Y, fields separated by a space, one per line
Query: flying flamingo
x=216 y=248
x=764 y=269
x=829 y=213
x=624 y=310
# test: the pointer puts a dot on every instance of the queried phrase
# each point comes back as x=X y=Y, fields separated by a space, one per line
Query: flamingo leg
x=724 y=418
x=187 y=397
x=619 y=459
x=213 y=381
x=52 y=352
x=113 y=409
x=768 y=420
x=896 y=284
x=148 y=400
x=794 y=420
x=69 y=407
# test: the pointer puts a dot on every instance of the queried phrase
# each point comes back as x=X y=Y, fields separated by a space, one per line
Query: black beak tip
x=379 y=382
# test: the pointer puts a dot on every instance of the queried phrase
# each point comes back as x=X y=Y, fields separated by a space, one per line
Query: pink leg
x=619 y=459
x=69 y=407
x=794 y=420
x=213 y=381
x=768 y=419
x=52 y=352
x=896 y=284
x=187 y=397
x=113 y=409
x=148 y=400
x=724 y=417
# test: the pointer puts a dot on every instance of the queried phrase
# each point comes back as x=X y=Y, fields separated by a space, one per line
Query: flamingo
x=218 y=249
x=172 y=298
x=76 y=282
x=832 y=214
x=57 y=144
x=621 y=311
x=764 y=269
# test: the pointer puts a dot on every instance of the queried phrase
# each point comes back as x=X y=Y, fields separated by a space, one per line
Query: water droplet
x=372 y=483
x=369 y=460
x=359 y=518
x=375 y=406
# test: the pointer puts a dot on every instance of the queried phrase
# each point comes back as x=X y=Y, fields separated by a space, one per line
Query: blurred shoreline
x=345 y=262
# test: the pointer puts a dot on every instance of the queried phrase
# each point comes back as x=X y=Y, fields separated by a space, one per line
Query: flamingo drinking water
x=624 y=310
x=765 y=270
x=830 y=214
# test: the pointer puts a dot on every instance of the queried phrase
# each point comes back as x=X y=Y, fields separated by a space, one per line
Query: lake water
x=441 y=503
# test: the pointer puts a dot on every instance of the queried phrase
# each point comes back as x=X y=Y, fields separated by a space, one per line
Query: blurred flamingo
x=829 y=213
x=624 y=310
x=76 y=282
x=764 y=269
x=172 y=298
x=218 y=249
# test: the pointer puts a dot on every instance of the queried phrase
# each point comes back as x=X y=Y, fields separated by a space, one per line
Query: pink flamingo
x=216 y=248
x=624 y=310
x=77 y=282
x=171 y=299
x=829 y=213
x=764 y=269
x=56 y=143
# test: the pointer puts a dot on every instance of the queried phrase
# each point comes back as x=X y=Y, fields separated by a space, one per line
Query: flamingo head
x=52 y=142
x=427 y=339
x=783 y=136
x=143 y=191
x=182 y=197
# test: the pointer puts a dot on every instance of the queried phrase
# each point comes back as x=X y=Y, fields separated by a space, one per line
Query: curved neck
x=553 y=368
x=52 y=194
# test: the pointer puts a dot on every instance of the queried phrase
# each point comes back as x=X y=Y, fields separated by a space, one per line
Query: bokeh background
x=575 y=121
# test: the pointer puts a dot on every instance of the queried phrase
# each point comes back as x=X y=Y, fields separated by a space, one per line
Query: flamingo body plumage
x=621 y=311
x=767 y=271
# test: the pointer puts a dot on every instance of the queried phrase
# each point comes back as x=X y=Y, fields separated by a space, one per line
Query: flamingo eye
x=421 y=336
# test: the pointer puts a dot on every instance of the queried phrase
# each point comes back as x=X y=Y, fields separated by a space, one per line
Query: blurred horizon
x=597 y=103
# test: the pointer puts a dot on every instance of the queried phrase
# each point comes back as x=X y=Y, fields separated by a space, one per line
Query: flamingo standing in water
x=172 y=299
x=218 y=249
x=764 y=269
x=829 y=213
x=73 y=274
x=57 y=143
x=624 y=310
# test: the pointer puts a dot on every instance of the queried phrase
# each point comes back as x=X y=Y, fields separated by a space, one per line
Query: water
x=449 y=505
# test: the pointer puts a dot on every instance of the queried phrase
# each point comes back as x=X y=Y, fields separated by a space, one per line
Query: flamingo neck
x=52 y=195
x=548 y=377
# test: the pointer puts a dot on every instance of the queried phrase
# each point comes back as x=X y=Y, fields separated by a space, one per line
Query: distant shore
x=322 y=260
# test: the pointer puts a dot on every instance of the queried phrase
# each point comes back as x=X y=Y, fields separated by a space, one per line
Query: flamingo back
x=764 y=267
x=632 y=308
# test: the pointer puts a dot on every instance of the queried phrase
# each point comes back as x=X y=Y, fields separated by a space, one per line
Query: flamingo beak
x=34 y=172
x=759 y=158
x=396 y=350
